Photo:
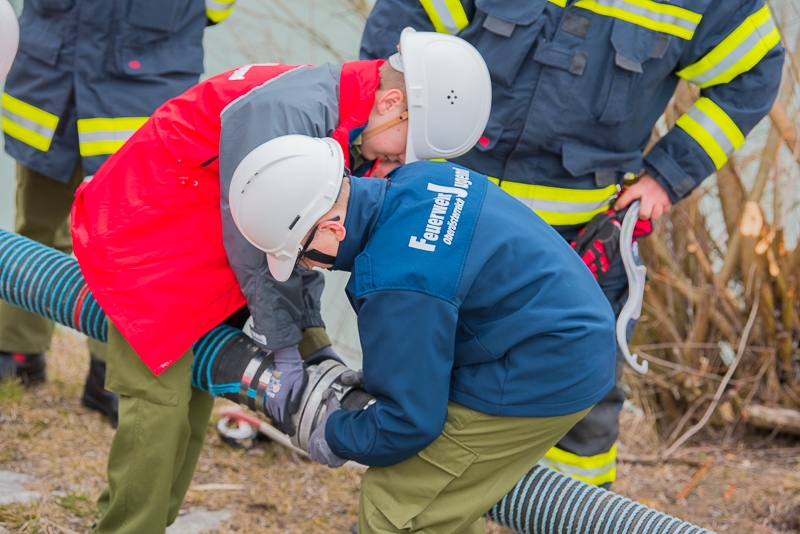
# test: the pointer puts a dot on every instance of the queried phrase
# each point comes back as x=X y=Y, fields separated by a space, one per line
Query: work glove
x=320 y=355
x=318 y=449
x=285 y=388
x=352 y=378
x=598 y=242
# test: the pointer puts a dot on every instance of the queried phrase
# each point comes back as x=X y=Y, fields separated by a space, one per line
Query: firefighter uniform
x=577 y=87
x=87 y=75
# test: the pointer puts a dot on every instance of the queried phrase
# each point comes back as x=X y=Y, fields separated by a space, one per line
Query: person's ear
x=391 y=100
x=335 y=228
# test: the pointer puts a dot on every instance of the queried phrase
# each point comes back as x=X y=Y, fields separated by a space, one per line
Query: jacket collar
x=358 y=82
x=364 y=209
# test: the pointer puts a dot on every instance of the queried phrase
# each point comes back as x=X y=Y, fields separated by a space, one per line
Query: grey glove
x=353 y=378
x=320 y=355
x=318 y=449
x=285 y=388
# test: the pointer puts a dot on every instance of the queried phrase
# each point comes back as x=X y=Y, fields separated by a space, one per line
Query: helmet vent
x=294 y=222
x=452 y=97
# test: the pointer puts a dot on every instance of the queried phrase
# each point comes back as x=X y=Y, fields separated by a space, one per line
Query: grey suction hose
x=227 y=363
x=547 y=502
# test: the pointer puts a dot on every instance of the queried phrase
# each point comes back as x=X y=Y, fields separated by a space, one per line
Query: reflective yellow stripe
x=447 y=16
x=104 y=136
x=560 y=206
x=713 y=130
x=555 y=218
x=597 y=469
x=737 y=53
x=545 y=192
x=218 y=11
x=559 y=3
x=27 y=123
x=656 y=16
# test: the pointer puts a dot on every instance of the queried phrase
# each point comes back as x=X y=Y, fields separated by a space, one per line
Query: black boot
x=96 y=397
x=29 y=367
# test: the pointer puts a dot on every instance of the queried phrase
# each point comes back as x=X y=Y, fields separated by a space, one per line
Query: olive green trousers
x=450 y=485
x=162 y=428
x=42 y=214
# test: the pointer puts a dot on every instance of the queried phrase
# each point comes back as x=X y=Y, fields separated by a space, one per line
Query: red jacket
x=147 y=228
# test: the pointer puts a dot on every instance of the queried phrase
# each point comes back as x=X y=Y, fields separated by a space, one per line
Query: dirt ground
x=46 y=434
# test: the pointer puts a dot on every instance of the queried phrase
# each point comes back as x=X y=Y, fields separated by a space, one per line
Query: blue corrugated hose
x=49 y=283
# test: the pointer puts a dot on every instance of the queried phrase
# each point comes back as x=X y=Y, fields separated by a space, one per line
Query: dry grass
x=63 y=447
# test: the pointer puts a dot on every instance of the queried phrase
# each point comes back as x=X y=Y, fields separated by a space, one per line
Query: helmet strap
x=319 y=257
x=385 y=126
x=314 y=254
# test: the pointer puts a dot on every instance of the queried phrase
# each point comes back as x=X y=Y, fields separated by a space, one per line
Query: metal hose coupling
x=325 y=375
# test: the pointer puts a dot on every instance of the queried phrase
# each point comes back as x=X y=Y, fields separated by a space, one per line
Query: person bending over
x=484 y=336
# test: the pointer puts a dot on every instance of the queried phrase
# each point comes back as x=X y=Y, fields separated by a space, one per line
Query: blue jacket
x=462 y=294
x=577 y=87
x=90 y=72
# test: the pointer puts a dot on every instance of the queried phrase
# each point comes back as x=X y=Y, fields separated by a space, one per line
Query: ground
x=61 y=448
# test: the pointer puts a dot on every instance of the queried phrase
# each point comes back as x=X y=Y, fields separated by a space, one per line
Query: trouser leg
x=42 y=214
x=451 y=484
x=200 y=408
x=155 y=449
x=588 y=452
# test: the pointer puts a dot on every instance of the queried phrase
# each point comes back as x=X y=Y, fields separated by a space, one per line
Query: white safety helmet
x=9 y=37
x=449 y=94
x=280 y=190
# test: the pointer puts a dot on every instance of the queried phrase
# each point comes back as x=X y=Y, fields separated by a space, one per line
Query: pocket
x=156 y=15
x=164 y=58
x=424 y=477
x=581 y=160
x=40 y=38
x=494 y=129
x=51 y=6
x=469 y=350
x=633 y=48
x=504 y=32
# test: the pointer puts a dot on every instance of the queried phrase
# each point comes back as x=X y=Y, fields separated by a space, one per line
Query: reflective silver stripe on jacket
x=28 y=124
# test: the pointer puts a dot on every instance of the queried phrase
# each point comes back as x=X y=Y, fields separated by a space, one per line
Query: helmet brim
x=281 y=269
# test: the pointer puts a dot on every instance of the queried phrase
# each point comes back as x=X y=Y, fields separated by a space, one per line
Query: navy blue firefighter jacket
x=462 y=294
x=577 y=86
x=90 y=72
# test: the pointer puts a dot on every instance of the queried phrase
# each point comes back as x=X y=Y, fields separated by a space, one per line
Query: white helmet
x=449 y=94
x=280 y=190
x=9 y=37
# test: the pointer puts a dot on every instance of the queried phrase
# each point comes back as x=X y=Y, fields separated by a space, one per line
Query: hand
x=318 y=449
x=320 y=355
x=353 y=378
x=654 y=199
x=285 y=388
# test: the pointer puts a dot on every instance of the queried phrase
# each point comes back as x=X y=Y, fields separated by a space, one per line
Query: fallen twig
x=217 y=487
x=53 y=524
x=773 y=418
x=742 y=344
x=695 y=479
x=682 y=368
x=767 y=363
x=654 y=459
